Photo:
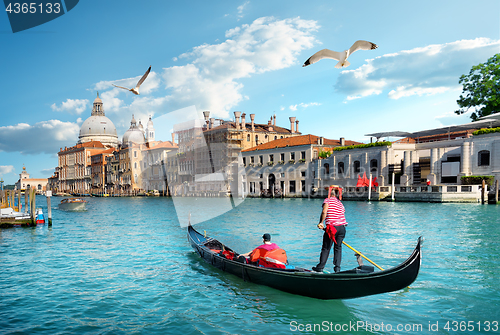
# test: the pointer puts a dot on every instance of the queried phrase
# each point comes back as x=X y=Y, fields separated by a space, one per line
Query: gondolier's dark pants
x=337 y=249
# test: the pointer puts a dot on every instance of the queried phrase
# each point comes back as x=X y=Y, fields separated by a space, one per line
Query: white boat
x=73 y=204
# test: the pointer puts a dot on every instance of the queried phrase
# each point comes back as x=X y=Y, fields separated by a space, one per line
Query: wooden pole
x=33 y=205
x=392 y=188
x=26 y=196
x=496 y=191
x=49 y=211
x=19 y=201
x=482 y=191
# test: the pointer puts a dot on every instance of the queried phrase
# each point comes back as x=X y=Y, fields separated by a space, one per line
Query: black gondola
x=359 y=282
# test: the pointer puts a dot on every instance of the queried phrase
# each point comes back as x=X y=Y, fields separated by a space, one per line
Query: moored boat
x=359 y=282
x=39 y=217
x=73 y=204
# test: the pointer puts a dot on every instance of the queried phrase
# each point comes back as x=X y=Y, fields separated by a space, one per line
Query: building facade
x=283 y=167
x=25 y=182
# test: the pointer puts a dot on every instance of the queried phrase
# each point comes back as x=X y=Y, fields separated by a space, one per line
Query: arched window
x=248 y=137
x=356 y=166
x=327 y=168
x=483 y=158
x=257 y=139
x=373 y=166
x=340 y=168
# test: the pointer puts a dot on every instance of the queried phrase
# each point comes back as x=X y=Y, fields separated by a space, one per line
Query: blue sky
x=247 y=56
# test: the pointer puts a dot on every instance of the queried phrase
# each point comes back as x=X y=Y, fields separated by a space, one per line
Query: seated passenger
x=268 y=254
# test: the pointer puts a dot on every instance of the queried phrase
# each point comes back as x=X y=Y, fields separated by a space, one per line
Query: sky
x=226 y=56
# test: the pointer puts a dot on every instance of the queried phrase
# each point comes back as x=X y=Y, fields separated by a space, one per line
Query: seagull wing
x=325 y=53
x=128 y=89
x=143 y=78
x=362 y=45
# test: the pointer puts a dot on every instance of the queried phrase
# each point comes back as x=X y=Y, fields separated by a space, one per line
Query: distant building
x=98 y=127
x=159 y=166
x=209 y=151
x=438 y=156
x=25 y=182
x=283 y=166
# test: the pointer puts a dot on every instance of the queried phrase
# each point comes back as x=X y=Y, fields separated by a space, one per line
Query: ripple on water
x=124 y=266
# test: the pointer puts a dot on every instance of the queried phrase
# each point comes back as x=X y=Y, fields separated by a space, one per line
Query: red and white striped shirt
x=335 y=214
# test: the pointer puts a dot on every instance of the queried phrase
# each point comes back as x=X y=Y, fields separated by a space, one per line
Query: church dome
x=133 y=134
x=98 y=127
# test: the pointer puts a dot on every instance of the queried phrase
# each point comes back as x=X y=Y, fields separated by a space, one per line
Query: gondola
x=358 y=282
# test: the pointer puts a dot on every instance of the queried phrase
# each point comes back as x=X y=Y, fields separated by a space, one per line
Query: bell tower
x=98 y=109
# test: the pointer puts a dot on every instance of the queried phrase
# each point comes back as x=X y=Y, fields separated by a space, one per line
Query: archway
x=271 y=181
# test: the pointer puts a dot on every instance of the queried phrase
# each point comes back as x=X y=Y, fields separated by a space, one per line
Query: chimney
x=237 y=119
x=274 y=123
x=252 y=117
x=206 y=114
x=321 y=140
x=243 y=124
x=270 y=125
x=297 y=126
x=292 y=124
x=211 y=123
x=342 y=142
x=173 y=135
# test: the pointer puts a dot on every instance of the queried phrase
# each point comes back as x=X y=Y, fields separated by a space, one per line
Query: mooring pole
x=26 y=197
x=392 y=188
x=48 y=194
x=496 y=191
x=482 y=191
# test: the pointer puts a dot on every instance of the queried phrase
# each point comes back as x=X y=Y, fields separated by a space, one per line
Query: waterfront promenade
x=124 y=266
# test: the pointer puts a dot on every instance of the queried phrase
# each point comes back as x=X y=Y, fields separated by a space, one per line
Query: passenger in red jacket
x=268 y=254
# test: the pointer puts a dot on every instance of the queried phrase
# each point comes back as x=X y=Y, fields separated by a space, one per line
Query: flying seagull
x=136 y=89
x=340 y=56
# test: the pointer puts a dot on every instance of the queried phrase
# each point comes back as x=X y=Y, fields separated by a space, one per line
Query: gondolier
x=333 y=214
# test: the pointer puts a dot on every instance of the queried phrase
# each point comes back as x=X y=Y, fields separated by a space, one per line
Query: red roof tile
x=297 y=141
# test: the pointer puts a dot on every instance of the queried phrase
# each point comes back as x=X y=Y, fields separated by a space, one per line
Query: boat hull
x=343 y=285
x=74 y=206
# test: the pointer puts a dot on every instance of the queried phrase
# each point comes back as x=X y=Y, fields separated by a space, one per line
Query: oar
x=369 y=260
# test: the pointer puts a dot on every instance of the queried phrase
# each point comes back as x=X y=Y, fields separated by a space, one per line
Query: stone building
x=25 y=182
x=97 y=134
x=283 y=167
x=209 y=150
x=159 y=165
x=438 y=156
x=98 y=127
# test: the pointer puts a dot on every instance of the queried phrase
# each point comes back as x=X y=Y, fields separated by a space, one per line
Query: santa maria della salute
x=101 y=163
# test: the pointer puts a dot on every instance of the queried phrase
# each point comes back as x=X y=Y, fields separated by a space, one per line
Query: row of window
x=265 y=137
x=292 y=186
x=282 y=158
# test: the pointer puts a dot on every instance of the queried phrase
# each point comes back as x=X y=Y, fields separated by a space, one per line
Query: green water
x=125 y=267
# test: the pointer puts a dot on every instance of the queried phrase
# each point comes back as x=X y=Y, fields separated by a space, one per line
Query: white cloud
x=4 y=169
x=73 y=106
x=429 y=70
x=241 y=8
x=211 y=80
x=304 y=105
x=45 y=136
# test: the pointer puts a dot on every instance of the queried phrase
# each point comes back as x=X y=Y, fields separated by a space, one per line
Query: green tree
x=481 y=89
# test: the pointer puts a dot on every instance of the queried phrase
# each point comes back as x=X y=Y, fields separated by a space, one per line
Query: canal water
x=125 y=267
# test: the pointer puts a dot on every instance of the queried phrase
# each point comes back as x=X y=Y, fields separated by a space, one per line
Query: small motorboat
x=73 y=204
